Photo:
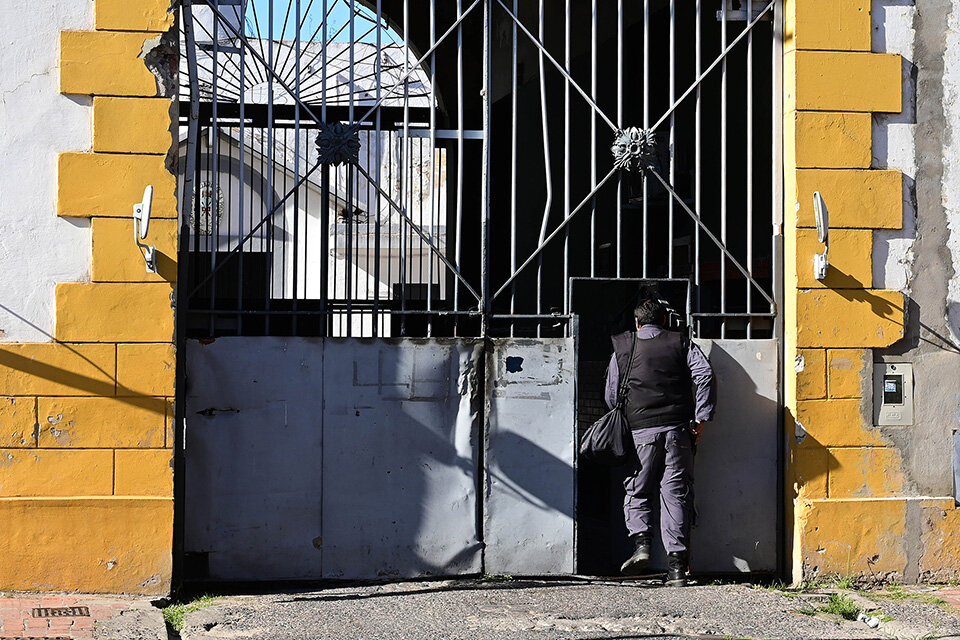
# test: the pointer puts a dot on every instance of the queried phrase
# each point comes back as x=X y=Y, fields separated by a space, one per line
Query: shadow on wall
x=853 y=290
x=736 y=472
x=340 y=458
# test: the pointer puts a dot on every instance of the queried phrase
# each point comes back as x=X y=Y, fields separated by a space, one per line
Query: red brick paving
x=952 y=596
x=17 y=621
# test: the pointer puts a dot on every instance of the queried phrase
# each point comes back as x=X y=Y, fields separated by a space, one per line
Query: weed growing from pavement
x=497 y=578
x=896 y=592
x=837 y=604
x=174 y=614
x=841 y=605
x=844 y=583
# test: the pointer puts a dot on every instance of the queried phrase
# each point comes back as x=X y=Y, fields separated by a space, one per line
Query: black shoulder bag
x=609 y=440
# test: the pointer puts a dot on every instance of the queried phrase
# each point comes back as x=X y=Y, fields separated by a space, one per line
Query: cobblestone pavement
x=555 y=610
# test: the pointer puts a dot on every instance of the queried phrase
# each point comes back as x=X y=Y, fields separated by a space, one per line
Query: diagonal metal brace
x=418 y=230
x=709 y=233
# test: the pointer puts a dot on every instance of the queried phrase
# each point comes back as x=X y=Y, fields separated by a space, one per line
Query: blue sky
x=339 y=16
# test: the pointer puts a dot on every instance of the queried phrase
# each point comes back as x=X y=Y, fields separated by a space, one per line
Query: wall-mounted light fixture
x=821 y=261
x=141 y=225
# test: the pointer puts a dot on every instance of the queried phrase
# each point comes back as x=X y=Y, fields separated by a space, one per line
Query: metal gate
x=479 y=168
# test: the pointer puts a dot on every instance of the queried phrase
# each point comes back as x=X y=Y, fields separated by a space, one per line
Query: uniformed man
x=667 y=420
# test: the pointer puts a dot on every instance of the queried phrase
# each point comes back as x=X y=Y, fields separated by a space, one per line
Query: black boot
x=676 y=569
x=641 y=555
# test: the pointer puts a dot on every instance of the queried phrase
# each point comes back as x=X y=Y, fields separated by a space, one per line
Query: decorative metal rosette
x=208 y=200
x=338 y=143
x=634 y=149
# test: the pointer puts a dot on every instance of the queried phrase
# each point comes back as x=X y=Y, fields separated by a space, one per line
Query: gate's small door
x=530 y=480
x=736 y=465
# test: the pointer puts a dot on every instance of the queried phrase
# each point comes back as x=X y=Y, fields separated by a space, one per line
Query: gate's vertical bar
x=325 y=316
x=434 y=177
x=566 y=168
x=351 y=209
x=406 y=164
x=179 y=430
x=485 y=304
x=547 y=164
x=243 y=164
x=459 y=231
x=378 y=75
x=749 y=7
x=215 y=171
x=697 y=162
x=673 y=137
x=776 y=206
x=296 y=168
x=646 y=125
x=619 y=126
x=270 y=166
x=593 y=134
x=514 y=150
x=723 y=168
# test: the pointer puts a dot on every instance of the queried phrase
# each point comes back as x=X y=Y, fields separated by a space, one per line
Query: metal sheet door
x=736 y=466
x=312 y=458
x=530 y=480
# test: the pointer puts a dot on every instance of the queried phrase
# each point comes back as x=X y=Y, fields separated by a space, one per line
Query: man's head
x=650 y=311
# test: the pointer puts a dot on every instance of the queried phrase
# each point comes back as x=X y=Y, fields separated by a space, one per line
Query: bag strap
x=624 y=379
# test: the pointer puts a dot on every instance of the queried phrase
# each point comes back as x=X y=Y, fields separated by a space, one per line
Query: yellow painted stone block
x=58 y=369
x=114 y=312
x=849 y=318
x=146 y=369
x=835 y=423
x=105 y=63
x=92 y=545
x=827 y=140
x=835 y=25
x=142 y=15
x=851 y=259
x=852 y=537
x=101 y=422
x=871 y=472
x=812 y=378
x=810 y=469
x=144 y=472
x=854 y=199
x=848 y=373
x=940 y=536
x=49 y=472
x=842 y=81
x=171 y=420
x=132 y=125
x=18 y=417
x=109 y=184
x=116 y=258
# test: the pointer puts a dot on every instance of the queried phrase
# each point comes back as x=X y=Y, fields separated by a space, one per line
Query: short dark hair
x=650 y=311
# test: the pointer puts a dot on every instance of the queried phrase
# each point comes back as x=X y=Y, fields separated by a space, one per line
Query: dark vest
x=660 y=390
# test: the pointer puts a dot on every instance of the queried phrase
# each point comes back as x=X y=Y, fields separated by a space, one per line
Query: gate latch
x=141 y=225
x=821 y=261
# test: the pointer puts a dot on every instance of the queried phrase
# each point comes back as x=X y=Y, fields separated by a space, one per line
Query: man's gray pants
x=664 y=470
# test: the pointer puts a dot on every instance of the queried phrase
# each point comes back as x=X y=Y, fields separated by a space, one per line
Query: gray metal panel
x=530 y=479
x=400 y=441
x=376 y=438
x=736 y=466
x=253 y=438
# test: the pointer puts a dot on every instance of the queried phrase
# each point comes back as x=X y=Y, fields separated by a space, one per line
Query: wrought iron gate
x=477 y=168
x=423 y=168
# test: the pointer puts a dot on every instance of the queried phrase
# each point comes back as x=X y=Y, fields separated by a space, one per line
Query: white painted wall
x=893 y=146
x=37 y=249
x=951 y=169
